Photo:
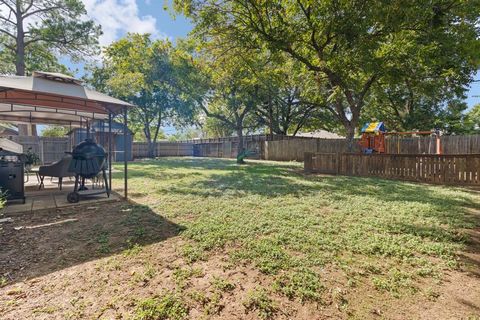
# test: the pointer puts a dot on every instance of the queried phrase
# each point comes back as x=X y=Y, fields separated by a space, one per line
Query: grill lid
x=88 y=159
x=10 y=156
x=87 y=150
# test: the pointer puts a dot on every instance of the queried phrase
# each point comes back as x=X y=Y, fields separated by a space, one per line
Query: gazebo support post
x=110 y=149
x=88 y=128
x=125 y=165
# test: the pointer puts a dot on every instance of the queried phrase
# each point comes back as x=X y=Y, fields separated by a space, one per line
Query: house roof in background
x=322 y=134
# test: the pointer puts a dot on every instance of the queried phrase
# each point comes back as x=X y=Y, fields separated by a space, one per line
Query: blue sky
x=474 y=92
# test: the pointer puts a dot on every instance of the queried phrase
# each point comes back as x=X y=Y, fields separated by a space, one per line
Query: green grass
x=289 y=226
x=260 y=301
x=168 y=306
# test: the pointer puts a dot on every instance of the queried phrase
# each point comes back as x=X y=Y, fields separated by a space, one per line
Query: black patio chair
x=57 y=169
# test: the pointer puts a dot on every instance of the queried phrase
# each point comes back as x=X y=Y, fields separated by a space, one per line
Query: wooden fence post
x=307 y=160
x=337 y=155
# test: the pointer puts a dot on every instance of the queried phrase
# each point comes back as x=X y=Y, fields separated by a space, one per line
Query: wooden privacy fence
x=465 y=144
x=53 y=149
x=287 y=148
x=49 y=149
x=162 y=149
x=228 y=149
x=294 y=149
x=222 y=148
x=463 y=169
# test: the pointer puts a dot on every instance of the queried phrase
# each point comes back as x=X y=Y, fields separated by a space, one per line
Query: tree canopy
x=146 y=73
x=352 y=47
x=54 y=131
x=36 y=32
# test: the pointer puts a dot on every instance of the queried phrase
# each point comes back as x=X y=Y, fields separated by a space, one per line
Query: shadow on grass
x=51 y=240
x=272 y=180
x=427 y=212
x=162 y=164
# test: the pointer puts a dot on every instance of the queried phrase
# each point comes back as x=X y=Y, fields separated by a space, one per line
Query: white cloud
x=118 y=17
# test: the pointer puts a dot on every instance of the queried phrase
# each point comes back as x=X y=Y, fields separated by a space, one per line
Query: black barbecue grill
x=88 y=160
x=11 y=175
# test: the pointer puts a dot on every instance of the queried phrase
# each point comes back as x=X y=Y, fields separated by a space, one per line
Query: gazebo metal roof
x=53 y=98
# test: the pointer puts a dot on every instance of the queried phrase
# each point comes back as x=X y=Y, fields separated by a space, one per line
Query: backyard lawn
x=206 y=238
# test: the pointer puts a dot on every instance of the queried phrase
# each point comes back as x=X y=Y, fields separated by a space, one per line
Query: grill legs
x=107 y=187
x=74 y=197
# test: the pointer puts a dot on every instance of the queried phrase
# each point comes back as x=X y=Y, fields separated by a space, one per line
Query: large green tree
x=350 y=46
x=410 y=106
x=291 y=97
x=233 y=87
x=148 y=74
x=51 y=26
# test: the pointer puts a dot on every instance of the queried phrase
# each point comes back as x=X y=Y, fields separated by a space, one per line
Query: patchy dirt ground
x=100 y=262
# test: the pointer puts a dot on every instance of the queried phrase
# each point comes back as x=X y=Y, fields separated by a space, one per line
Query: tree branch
x=41 y=10
x=29 y=6
x=9 y=6
x=7 y=20
x=8 y=33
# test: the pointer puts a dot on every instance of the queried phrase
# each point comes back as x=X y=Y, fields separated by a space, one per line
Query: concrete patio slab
x=19 y=207
x=50 y=197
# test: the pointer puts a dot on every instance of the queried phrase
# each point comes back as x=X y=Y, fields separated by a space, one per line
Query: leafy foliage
x=2 y=204
x=352 y=48
x=233 y=89
x=31 y=157
x=54 y=131
x=148 y=74
x=36 y=32
x=473 y=119
x=303 y=283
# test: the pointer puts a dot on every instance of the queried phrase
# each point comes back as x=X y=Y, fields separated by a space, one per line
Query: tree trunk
x=151 y=144
x=349 y=136
x=241 y=148
x=23 y=129
x=151 y=149
x=270 y=119
x=20 y=43
x=157 y=131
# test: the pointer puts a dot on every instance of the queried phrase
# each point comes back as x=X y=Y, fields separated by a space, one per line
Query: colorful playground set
x=374 y=133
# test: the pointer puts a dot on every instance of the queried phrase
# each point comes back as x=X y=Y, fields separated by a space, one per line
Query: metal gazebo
x=54 y=98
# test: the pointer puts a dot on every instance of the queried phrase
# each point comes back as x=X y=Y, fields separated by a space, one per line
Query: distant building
x=7 y=132
x=322 y=134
